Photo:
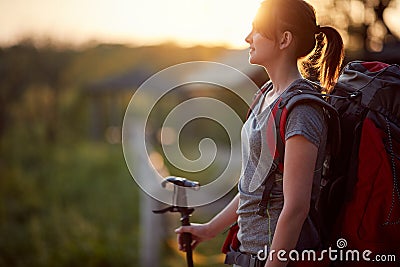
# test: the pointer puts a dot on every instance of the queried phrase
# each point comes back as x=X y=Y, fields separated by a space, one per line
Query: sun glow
x=222 y=21
x=187 y=22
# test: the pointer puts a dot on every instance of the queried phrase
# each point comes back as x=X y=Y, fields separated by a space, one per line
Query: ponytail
x=331 y=56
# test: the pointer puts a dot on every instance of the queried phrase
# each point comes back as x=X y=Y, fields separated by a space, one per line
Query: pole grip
x=187 y=238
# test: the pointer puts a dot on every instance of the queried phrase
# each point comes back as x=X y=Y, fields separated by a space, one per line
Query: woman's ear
x=286 y=40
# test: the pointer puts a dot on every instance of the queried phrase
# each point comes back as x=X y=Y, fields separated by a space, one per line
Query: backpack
x=359 y=201
x=360 y=196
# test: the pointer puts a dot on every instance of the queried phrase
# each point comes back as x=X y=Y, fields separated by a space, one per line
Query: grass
x=77 y=205
x=68 y=206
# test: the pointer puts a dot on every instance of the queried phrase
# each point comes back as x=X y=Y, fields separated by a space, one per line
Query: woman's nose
x=249 y=37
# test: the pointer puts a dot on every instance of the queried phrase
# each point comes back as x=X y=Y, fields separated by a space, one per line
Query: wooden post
x=152 y=228
x=152 y=231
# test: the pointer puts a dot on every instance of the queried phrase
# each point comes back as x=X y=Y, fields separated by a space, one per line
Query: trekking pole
x=179 y=204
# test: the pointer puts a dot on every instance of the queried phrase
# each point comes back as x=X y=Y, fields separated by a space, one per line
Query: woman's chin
x=252 y=61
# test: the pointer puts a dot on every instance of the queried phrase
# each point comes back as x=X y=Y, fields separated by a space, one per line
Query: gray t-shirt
x=256 y=231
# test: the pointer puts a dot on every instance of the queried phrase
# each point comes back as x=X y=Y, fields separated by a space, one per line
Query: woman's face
x=262 y=50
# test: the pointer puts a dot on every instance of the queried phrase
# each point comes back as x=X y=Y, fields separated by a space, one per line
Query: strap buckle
x=273 y=168
x=262 y=210
x=253 y=261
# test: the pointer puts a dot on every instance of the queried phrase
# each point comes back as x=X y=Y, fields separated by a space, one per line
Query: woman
x=284 y=32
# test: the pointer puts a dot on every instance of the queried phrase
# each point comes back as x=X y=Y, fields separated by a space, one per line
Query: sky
x=136 y=22
x=139 y=22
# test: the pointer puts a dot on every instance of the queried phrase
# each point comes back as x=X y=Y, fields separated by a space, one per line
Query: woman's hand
x=200 y=233
x=204 y=232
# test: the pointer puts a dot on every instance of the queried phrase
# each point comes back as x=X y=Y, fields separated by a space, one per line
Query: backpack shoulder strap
x=306 y=93
x=329 y=111
x=299 y=94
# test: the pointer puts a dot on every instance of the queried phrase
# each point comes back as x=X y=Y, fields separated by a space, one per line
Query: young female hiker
x=284 y=32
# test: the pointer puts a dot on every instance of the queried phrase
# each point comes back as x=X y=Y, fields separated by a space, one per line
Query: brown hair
x=298 y=17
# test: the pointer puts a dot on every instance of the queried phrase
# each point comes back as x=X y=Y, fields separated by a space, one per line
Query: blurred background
x=67 y=72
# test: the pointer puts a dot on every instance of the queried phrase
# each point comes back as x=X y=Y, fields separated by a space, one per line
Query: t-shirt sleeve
x=308 y=121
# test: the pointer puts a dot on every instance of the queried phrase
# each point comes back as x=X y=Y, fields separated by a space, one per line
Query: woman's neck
x=282 y=75
x=281 y=78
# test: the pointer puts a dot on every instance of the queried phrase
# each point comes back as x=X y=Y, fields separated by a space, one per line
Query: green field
x=66 y=195
x=76 y=205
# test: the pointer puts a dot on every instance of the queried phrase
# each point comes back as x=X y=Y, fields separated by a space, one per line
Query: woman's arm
x=203 y=232
x=299 y=162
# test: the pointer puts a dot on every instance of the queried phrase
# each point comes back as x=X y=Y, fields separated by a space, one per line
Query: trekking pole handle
x=181 y=182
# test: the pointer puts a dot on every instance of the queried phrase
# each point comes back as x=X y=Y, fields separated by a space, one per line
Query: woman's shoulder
x=307 y=120
x=307 y=109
